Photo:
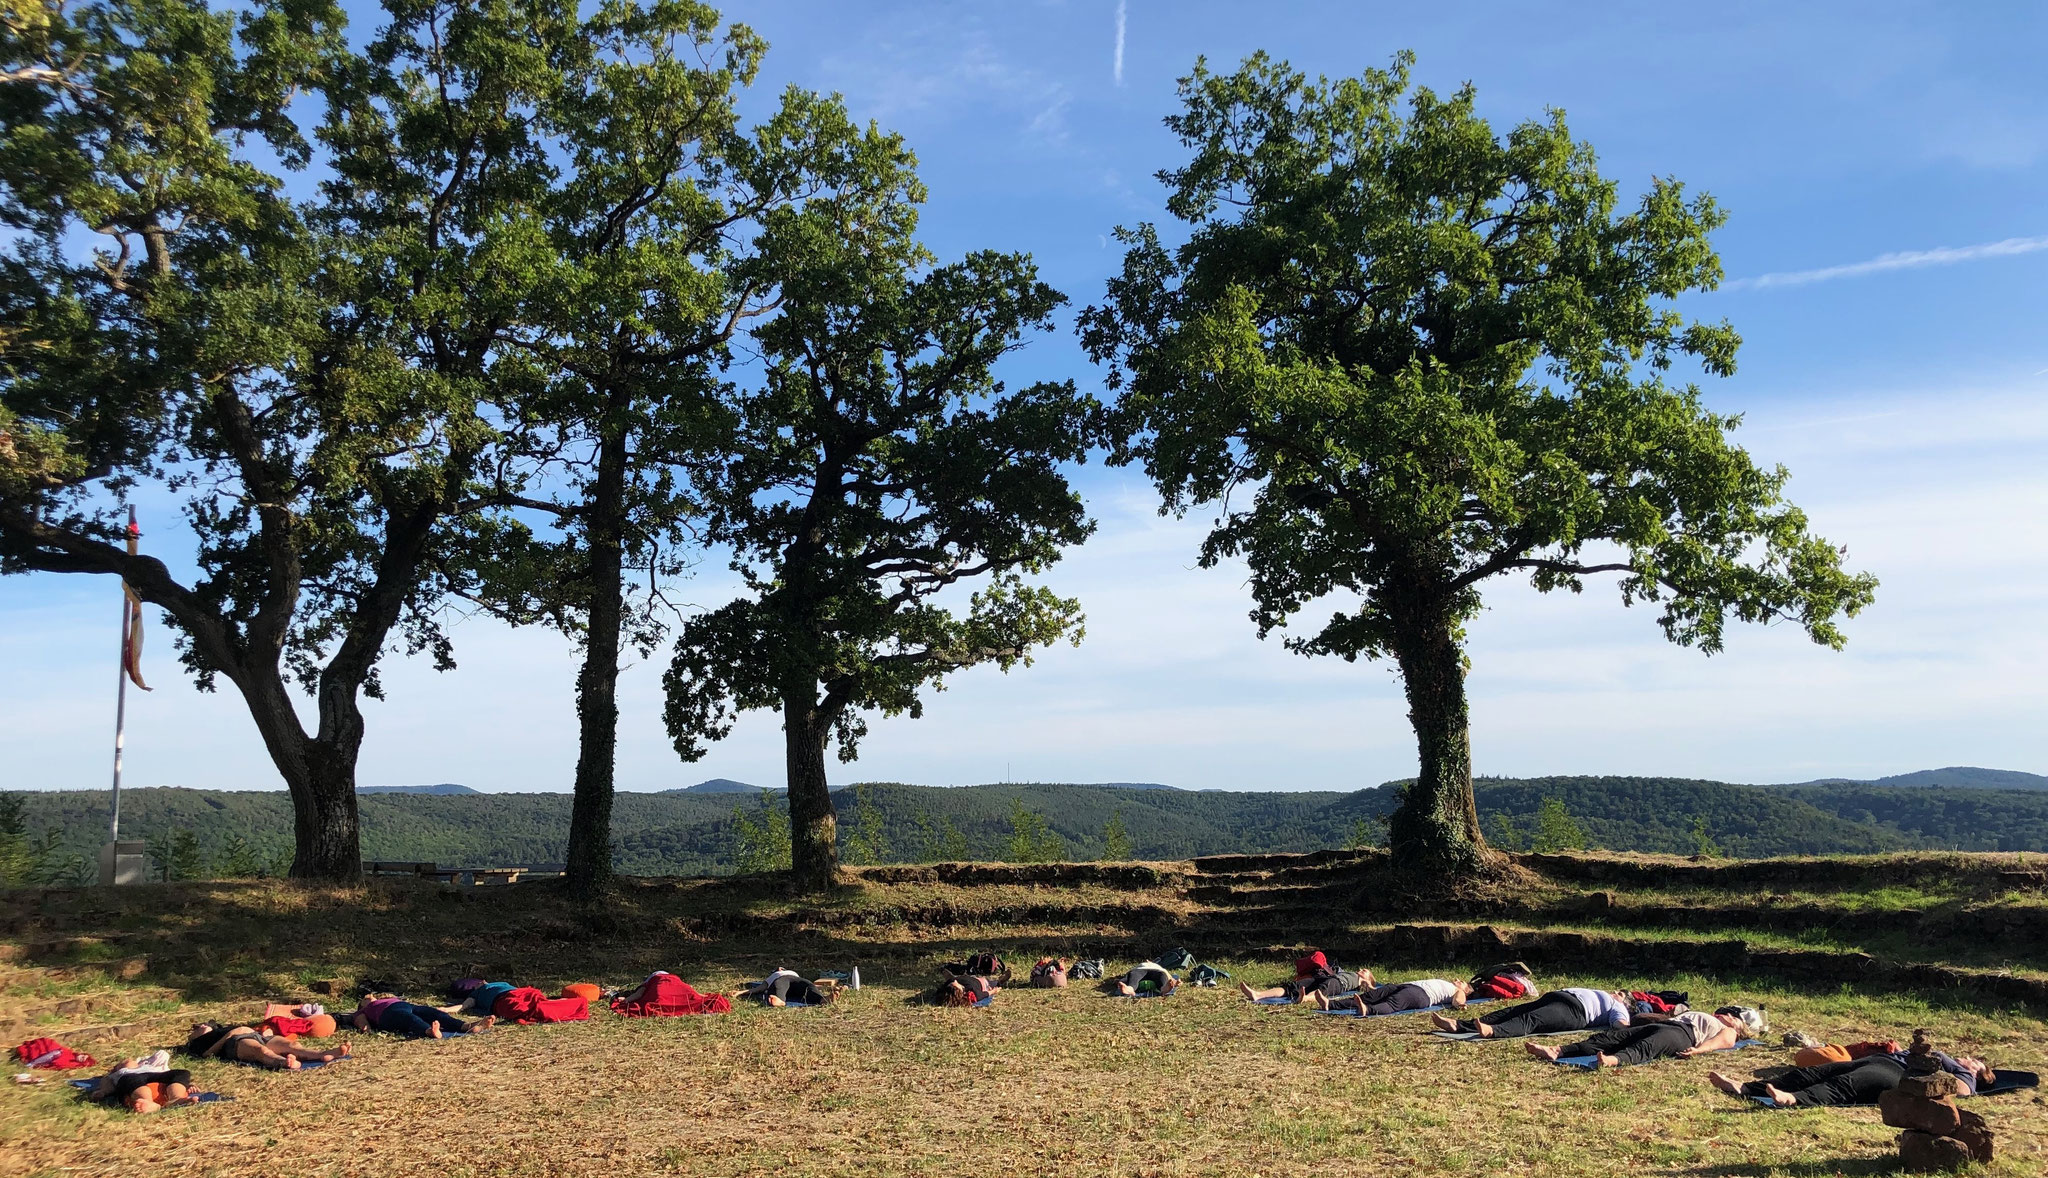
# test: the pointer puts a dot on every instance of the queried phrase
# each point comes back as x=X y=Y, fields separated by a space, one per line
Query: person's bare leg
x=1541 y=1051
x=1124 y=989
x=144 y=1104
x=1725 y=1083
x=250 y=1051
x=295 y=1051
x=1250 y=995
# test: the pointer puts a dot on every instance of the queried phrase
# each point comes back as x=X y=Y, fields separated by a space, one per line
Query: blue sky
x=1883 y=166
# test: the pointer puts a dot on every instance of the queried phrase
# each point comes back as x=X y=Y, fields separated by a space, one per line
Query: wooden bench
x=508 y=875
x=380 y=867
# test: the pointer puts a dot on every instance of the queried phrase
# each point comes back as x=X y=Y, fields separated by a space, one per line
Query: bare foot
x=1358 y=1003
x=1606 y=1061
x=774 y=1001
x=291 y=1063
x=1365 y=981
x=433 y=1030
x=1317 y=999
x=485 y=1023
x=1485 y=1030
x=1541 y=1052
x=1444 y=1022
x=344 y=1051
x=1245 y=988
x=1725 y=1083
x=1780 y=1097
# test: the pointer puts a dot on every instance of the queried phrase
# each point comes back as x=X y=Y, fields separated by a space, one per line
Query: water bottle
x=856 y=977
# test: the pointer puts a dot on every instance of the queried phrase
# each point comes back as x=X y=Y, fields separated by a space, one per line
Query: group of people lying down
x=977 y=980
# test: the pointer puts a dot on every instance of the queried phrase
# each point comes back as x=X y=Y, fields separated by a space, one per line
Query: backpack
x=1176 y=959
x=1047 y=974
x=987 y=965
x=1089 y=968
x=1205 y=975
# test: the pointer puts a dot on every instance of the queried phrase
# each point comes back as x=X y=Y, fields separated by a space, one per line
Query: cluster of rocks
x=1937 y=1135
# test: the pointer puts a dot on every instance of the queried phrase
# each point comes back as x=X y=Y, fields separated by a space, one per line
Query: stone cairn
x=1938 y=1135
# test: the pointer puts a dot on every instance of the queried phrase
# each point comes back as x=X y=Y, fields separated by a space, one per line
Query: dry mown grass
x=1066 y=1081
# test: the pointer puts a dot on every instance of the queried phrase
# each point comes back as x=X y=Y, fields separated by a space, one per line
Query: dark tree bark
x=813 y=827
x=1436 y=826
x=597 y=700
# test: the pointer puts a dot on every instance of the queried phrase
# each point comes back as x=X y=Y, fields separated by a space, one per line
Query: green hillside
x=686 y=833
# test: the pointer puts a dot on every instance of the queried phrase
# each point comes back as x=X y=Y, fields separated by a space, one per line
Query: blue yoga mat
x=1352 y=1013
x=1284 y=1000
x=987 y=1000
x=1592 y=1062
x=197 y=1097
x=1474 y=1037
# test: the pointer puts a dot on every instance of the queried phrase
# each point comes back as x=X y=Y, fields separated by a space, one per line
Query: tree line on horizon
x=545 y=317
x=48 y=837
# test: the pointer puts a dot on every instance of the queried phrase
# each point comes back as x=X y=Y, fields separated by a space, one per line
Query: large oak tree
x=880 y=465
x=1408 y=354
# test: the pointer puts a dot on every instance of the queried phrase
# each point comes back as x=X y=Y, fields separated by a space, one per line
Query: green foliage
x=1703 y=843
x=1505 y=834
x=1556 y=829
x=939 y=841
x=1363 y=834
x=18 y=863
x=867 y=841
x=1116 y=839
x=238 y=859
x=760 y=841
x=178 y=856
x=1031 y=838
x=1424 y=355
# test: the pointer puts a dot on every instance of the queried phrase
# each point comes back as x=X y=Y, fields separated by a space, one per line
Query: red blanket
x=666 y=994
x=528 y=1005
x=286 y=1025
x=61 y=1057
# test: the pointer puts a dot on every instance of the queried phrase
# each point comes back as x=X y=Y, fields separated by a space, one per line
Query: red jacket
x=61 y=1058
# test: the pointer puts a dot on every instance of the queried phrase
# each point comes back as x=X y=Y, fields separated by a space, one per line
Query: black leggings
x=411 y=1018
x=1548 y=1015
x=1329 y=985
x=1858 y=1081
x=133 y=1080
x=1633 y=1044
x=1395 y=998
x=791 y=988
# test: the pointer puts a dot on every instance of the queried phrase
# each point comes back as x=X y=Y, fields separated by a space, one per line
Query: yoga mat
x=197 y=1097
x=1592 y=1062
x=2007 y=1082
x=1353 y=1013
x=1473 y=1036
x=989 y=1000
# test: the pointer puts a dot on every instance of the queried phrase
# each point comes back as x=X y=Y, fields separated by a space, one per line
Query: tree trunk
x=1437 y=825
x=324 y=820
x=813 y=828
x=597 y=699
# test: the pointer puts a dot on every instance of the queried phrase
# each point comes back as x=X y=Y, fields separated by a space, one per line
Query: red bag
x=1314 y=965
x=667 y=995
x=1501 y=985
x=284 y=1024
x=62 y=1058
x=529 y=1005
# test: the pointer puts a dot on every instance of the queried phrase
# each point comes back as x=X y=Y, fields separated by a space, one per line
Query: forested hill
x=688 y=833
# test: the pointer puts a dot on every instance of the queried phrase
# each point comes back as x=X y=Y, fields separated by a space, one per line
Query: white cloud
x=1118 y=68
x=1904 y=260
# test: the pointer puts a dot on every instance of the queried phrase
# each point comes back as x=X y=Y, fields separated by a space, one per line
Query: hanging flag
x=131 y=641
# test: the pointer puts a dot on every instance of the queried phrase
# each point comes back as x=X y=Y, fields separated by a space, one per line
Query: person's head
x=359 y=1020
x=952 y=993
x=1978 y=1068
x=1748 y=1019
x=199 y=1030
x=1461 y=994
x=1311 y=963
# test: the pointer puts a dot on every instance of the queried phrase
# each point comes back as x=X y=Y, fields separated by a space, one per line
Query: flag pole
x=121 y=691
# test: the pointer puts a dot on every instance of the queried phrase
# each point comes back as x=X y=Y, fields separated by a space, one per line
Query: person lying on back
x=784 y=987
x=1856 y=1081
x=1558 y=1011
x=248 y=1045
x=1398 y=997
x=1682 y=1035
x=1314 y=978
x=415 y=1020
x=966 y=989
x=145 y=1084
x=1146 y=977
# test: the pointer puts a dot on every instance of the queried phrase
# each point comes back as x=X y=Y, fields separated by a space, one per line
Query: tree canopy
x=879 y=463
x=1407 y=355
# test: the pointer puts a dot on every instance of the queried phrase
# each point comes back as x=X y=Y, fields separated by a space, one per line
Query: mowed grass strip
x=878 y=1084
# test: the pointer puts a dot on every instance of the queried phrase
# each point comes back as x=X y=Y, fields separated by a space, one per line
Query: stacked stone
x=1938 y=1135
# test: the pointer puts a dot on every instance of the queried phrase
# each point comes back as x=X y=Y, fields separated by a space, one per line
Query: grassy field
x=1045 y=1081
